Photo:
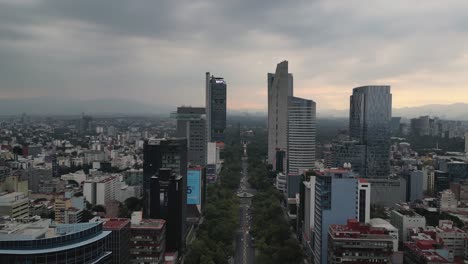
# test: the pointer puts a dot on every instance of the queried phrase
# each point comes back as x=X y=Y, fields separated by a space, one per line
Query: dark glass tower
x=215 y=108
x=162 y=153
x=369 y=124
x=168 y=202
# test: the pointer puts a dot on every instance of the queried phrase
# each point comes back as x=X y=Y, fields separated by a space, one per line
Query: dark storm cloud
x=158 y=51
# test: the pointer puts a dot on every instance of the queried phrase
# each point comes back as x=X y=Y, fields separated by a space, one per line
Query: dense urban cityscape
x=200 y=186
x=233 y=132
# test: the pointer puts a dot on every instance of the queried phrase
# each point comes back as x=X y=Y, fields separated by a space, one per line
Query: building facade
x=37 y=242
x=403 y=220
x=301 y=135
x=338 y=197
x=358 y=243
x=191 y=124
x=369 y=124
x=216 y=94
x=118 y=241
x=280 y=87
x=168 y=153
x=147 y=241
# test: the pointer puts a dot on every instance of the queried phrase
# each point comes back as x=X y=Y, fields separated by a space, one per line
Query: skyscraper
x=301 y=135
x=191 y=124
x=280 y=87
x=369 y=124
x=162 y=153
x=215 y=108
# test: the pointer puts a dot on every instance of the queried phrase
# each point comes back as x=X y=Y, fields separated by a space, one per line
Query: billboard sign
x=193 y=187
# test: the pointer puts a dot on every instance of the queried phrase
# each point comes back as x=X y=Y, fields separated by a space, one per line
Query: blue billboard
x=193 y=187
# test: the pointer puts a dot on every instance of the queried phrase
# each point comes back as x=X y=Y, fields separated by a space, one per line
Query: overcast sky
x=157 y=51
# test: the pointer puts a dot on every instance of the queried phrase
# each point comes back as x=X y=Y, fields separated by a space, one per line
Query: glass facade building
x=369 y=124
x=216 y=93
x=77 y=243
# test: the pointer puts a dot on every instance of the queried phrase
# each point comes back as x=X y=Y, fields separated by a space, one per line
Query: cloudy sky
x=157 y=51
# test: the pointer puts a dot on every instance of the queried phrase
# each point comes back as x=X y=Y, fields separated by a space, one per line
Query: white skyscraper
x=280 y=87
x=301 y=135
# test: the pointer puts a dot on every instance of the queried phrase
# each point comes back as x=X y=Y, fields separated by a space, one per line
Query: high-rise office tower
x=162 y=153
x=168 y=202
x=301 y=135
x=191 y=124
x=369 y=124
x=339 y=196
x=280 y=87
x=215 y=108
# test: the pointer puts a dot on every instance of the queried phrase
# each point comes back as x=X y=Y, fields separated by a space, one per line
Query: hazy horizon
x=157 y=52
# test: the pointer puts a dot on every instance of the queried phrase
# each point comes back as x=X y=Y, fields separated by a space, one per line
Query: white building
x=453 y=238
x=99 y=190
x=448 y=200
x=14 y=205
x=364 y=198
x=280 y=87
x=405 y=219
x=281 y=182
x=301 y=135
x=392 y=231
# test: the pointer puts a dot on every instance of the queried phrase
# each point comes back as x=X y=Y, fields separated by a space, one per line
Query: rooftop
x=115 y=223
x=355 y=230
x=426 y=249
x=149 y=224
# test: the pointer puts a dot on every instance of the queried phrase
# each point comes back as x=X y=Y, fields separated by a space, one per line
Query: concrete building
x=191 y=124
x=38 y=242
x=356 y=242
x=280 y=87
x=426 y=251
x=403 y=220
x=301 y=135
x=69 y=208
x=415 y=184
x=14 y=205
x=391 y=230
x=148 y=240
x=388 y=192
x=281 y=183
x=338 y=197
x=448 y=200
x=369 y=124
x=100 y=190
x=453 y=238
x=216 y=95
x=307 y=216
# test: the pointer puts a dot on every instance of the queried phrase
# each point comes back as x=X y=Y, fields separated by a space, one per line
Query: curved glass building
x=37 y=242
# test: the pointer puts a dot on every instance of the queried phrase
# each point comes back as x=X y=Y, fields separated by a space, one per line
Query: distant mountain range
x=55 y=106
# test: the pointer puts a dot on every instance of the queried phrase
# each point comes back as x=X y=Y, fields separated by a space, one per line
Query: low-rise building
x=359 y=243
x=14 y=205
x=36 y=241
x=148 y=240
x=404 y=220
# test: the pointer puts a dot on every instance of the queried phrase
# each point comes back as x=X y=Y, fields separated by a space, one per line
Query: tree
x=133 y=204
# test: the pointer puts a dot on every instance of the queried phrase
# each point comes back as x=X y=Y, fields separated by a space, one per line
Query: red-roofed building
x=119 y=240
x=359 y=243
x=148 y=241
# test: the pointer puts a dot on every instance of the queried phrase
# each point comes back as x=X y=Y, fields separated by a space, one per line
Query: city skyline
x=59 y=49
